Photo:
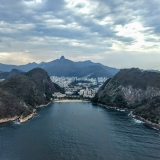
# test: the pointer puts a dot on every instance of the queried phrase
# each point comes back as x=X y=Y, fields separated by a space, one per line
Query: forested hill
x=133 y=88
x=20 y=95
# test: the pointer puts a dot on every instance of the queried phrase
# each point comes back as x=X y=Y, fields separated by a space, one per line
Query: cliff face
x=20 y=95
x=129 y=93
x=131 y=88
x=132 y=84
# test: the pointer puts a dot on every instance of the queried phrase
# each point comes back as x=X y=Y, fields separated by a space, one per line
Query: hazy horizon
x=78 y=61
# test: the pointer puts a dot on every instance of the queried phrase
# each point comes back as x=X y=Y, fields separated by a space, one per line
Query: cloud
x=88 y=29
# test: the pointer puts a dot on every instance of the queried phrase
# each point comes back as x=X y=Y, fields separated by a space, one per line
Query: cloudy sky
x=117 y=33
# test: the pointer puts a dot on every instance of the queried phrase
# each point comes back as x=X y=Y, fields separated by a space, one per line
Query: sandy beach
x=70 y=100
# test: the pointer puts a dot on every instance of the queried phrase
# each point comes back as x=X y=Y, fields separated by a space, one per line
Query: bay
x=79 y=131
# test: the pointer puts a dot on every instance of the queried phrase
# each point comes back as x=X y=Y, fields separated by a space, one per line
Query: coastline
x=30 y=116
x=23 y=119
x=116 y=108
x=149 y=123
x=3 y=120
x=70 y=100
x=43 y=105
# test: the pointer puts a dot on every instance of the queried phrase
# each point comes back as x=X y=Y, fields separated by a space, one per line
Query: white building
x=81 y=92
x=59 y=95
x=68 y=93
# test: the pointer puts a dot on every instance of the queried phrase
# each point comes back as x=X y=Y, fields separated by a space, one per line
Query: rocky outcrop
x=129 y=93
x=132 y=84
x=134 y=89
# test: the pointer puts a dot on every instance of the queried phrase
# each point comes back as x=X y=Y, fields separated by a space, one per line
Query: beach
x=70 y=100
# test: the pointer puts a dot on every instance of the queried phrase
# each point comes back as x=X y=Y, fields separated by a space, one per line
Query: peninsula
x=136 y=90
x=21 y=95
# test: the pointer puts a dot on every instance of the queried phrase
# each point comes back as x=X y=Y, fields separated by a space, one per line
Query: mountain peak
x=62 y=57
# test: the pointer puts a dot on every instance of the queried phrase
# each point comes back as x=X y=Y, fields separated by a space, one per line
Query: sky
x=116 y=33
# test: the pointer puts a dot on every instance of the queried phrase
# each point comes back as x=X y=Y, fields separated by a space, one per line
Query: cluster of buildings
x=90 y=93
x=78 y=87
x=63 y=82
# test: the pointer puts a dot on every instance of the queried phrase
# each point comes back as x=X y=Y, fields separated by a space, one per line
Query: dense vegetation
x=19 y=95
x=149 y=109
x=137 y=78
x=58 y=88
x=114 y=101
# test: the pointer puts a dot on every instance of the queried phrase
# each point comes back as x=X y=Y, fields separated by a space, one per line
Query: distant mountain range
x=12 y=73
x=66 y=67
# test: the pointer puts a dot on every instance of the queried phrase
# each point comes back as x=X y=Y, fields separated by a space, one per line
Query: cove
x=76 y=131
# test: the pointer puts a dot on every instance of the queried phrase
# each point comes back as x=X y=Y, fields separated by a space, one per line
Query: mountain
x=152 y=70
x=135 y=89
x=21 y=95
x=13 y=72
x=92 y=72
x=24 y=68
x=112 y=71
x=66 y=67
x=60 y=67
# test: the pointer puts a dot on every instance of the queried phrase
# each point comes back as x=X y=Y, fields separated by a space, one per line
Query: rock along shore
x=22 y=119
x=149 y=123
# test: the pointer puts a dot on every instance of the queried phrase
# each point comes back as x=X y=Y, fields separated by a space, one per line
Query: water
x=79 y=131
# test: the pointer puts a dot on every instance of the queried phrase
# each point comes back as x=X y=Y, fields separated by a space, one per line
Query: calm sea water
x=79 y=131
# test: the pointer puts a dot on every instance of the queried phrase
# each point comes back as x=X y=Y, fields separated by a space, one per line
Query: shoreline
x=109 y=107
x=23 y=119
x=30 y=116
x=70 y=100
x=43 y=105
x=4 y=120
x=149 y=123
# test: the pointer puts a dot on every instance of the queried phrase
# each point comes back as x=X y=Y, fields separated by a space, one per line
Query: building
x=59 y=95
